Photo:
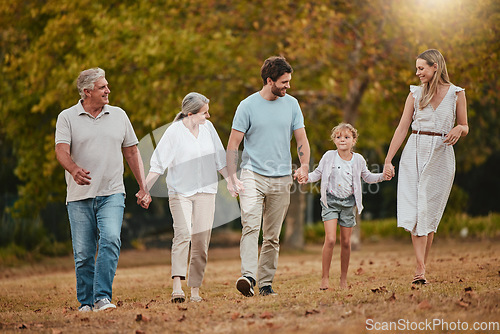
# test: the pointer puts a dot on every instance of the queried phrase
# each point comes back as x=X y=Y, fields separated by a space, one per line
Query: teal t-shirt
x=268 y=127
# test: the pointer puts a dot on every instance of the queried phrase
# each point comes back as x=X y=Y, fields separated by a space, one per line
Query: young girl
x=340 y=172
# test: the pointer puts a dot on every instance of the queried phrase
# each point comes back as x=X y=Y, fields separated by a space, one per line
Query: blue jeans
x=96 y=222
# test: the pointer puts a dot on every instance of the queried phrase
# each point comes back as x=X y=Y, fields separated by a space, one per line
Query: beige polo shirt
x=95 y=145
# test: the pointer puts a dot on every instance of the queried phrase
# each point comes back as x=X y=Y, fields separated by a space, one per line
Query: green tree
x=353 y=61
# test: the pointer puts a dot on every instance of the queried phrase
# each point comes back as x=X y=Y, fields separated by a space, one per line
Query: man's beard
x=278 y=92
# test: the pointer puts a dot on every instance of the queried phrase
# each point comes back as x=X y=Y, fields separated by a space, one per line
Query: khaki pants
x=265 y=199
x=193 y=218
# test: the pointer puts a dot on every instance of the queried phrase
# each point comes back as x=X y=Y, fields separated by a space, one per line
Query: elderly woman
x=193 y=153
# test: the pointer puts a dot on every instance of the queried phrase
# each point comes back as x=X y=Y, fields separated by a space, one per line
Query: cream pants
x=193 y=219
x=265 y=200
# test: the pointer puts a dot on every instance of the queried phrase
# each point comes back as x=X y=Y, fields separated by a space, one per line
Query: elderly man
x=90 y=138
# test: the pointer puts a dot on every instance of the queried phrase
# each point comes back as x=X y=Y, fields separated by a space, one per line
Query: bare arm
x=233 y=185
x=400 y=133
x=304 y=153
x=134 y=161
x=80 y=175
x=462 y=127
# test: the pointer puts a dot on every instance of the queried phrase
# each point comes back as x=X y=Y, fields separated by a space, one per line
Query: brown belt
x=428 y=133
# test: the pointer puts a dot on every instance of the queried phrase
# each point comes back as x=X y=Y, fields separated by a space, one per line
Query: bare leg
x=420 y=246
x=330 y=238
x=430 y=238
x=345 y=254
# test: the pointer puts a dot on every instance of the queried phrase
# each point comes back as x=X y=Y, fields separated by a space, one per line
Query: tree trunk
x=295 y=219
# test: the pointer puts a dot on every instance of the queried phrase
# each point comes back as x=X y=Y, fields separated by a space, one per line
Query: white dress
x=427 y=166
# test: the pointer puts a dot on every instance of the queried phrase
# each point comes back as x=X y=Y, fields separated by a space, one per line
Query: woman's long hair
x=429 y=89
x=192 y=103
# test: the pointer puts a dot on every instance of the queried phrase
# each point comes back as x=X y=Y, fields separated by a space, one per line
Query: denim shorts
x=341 y=209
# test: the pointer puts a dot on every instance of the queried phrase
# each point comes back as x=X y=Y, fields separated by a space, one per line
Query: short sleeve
x=241 y=120
x=298 y=118
x=458 y=89
x=63 y=130
x=130 y=138
x=415 y=90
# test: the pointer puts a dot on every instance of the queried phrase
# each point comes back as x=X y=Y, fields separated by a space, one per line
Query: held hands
x=235 y=186
x=302 y=174
x=143 y=198
x=389 y=171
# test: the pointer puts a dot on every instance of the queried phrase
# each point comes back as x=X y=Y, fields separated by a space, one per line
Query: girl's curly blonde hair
x=343 y=127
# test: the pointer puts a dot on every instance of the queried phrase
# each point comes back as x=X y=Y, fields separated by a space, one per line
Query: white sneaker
x=85 y=308
x=103 y=304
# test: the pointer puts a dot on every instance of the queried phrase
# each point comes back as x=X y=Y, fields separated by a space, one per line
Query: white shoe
x=103 y=304
x=85 y=308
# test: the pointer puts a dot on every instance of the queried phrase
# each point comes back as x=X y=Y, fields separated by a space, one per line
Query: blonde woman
x=193 y=153
x=437 y=113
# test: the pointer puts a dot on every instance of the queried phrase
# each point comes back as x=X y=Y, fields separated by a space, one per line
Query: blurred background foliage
x=353 y=61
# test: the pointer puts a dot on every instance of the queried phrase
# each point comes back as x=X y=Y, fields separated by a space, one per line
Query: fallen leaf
x=141 y=317
x=119 y=303
x=138 y=331
x=85 y=319
x=424 y=305
x=38 y=310
x=379 y=289
x=24 y=326
x=272 y=325
x=56 y=331
x=182 y=308
x=462 y=304
x=235 y=315
x=359 y=271
x=392 y=298
x=371 y=262
x=468 y=289
x=150 y=302
x=313 y=311
x=182 y=318
x=250 y=315
x=266 y=315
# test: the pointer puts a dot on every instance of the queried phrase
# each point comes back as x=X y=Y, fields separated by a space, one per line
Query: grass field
x=464 y=290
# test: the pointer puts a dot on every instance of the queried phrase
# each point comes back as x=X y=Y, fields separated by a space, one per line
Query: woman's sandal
x=419 y=279
x=178 y=297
